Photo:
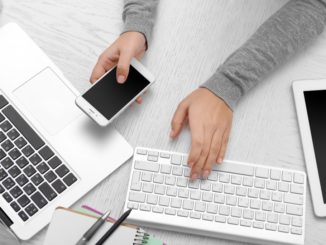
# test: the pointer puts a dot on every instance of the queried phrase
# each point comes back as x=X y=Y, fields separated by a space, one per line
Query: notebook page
x=67 y=227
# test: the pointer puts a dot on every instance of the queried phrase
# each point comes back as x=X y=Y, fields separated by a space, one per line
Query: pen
x=94 y=228
x=113 y=227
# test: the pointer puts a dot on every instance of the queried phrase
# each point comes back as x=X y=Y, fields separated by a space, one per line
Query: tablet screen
x=316 y=110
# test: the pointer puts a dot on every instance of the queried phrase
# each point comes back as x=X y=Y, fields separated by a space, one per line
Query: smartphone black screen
x=109 y=97
x=316 y=109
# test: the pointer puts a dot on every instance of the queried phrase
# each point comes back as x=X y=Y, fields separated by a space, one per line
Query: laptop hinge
x=5 y=218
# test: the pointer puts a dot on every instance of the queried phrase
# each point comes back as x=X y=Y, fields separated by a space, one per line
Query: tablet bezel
x=299 y=87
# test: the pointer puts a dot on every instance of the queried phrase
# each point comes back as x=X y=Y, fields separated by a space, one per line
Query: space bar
x=20 y=123
x=234 y=168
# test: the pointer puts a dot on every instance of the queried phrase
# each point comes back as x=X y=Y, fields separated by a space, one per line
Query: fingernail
x=194 y=176
x=190 y=164
x=172 y=133
x=205 y=174
x=121 y=79
x=220 y=160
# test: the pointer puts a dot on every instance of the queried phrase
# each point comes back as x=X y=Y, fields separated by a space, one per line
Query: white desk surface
x=191 y=39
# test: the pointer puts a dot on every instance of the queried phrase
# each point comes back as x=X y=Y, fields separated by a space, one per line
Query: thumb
x=178 y=119
x=123 y=66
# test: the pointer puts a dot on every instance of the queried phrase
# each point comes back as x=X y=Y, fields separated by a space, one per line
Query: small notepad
x=68 y=226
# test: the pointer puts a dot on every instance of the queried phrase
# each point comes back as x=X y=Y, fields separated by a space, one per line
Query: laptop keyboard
x=31 y=174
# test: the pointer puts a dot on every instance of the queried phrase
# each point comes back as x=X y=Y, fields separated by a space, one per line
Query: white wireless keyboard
x=239 y=201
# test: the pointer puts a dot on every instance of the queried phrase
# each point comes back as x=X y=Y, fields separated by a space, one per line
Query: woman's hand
x=210 y=121
x=120 y=53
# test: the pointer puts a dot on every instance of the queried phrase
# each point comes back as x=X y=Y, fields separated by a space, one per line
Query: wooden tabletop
x=190 y=40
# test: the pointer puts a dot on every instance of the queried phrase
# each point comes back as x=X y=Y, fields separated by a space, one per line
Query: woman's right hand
x=129 y=45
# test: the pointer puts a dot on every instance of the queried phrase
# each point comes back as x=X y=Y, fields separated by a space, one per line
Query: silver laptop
x=50 y=153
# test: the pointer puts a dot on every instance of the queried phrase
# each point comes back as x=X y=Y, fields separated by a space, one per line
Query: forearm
x=139 y=15
x=282 y=35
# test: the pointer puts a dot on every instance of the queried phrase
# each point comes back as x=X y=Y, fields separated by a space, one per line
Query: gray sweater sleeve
x=287 y=31
x=139 y=15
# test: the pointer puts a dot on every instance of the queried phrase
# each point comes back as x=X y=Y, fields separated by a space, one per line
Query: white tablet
x=310 y=102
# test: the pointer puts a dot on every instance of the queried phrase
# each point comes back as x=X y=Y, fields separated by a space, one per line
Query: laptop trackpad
x=49 y=100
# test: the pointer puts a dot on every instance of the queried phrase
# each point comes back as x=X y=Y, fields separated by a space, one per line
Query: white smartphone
x=107 y=99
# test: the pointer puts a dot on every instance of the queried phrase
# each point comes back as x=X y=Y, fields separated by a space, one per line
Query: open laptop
x=50 y=153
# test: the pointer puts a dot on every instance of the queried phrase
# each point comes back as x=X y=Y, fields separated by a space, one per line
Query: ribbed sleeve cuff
x=139 y=24
x=224 y=88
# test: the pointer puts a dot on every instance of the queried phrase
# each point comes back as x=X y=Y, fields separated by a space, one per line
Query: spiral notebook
x=67 y=227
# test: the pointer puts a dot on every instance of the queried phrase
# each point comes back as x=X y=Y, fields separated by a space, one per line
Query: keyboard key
x=14 y=153
x=5 y=126
x=2 y=154
x=220 y=219
x=50 y=176
x=152 y=158
x=23 y=215
x=176 y=159
x=2 y=117
x=287 y=176
x=235 y=168
x=14 y=171
x=23 y=200
x=29 y=170
x=182 y=213
x=29 y=189
x=293 y=198
x=69 y=179
x=3 y=101
x=59 y=186
x=28 y=151
x=37 y=179
x=298 y=178
x=16 y=192
x=21 y=180
x=141 y=152
x=62 y=170
x=297 y=231
x=8 y=183
x=233 y=221
x=207 y=217
x=137 y=197
x=284 y=229
x=2 y=136
x=275 y=174
x=35 y=159
x=7 y=197
x=31 y=209
x=152 y=167
x=42 y=167
x=298 y=189
x=283 y=186
x=39 y=200
x=20 y=142
x=46 y=153
x=47 y=191
x=262 y=172
x=1 y=189
x=297 y=221
x=54 y=162
x=13 y=134
x=22 y=162
x=15 y=206
x=3 y=174
x=294 y=210
x=24 y=128
x=7 y=145
x=7 y=163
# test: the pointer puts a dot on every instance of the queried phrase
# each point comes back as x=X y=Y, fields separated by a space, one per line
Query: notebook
x=68 y=226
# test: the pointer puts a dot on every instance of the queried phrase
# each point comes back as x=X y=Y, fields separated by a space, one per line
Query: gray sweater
x=283 y=34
